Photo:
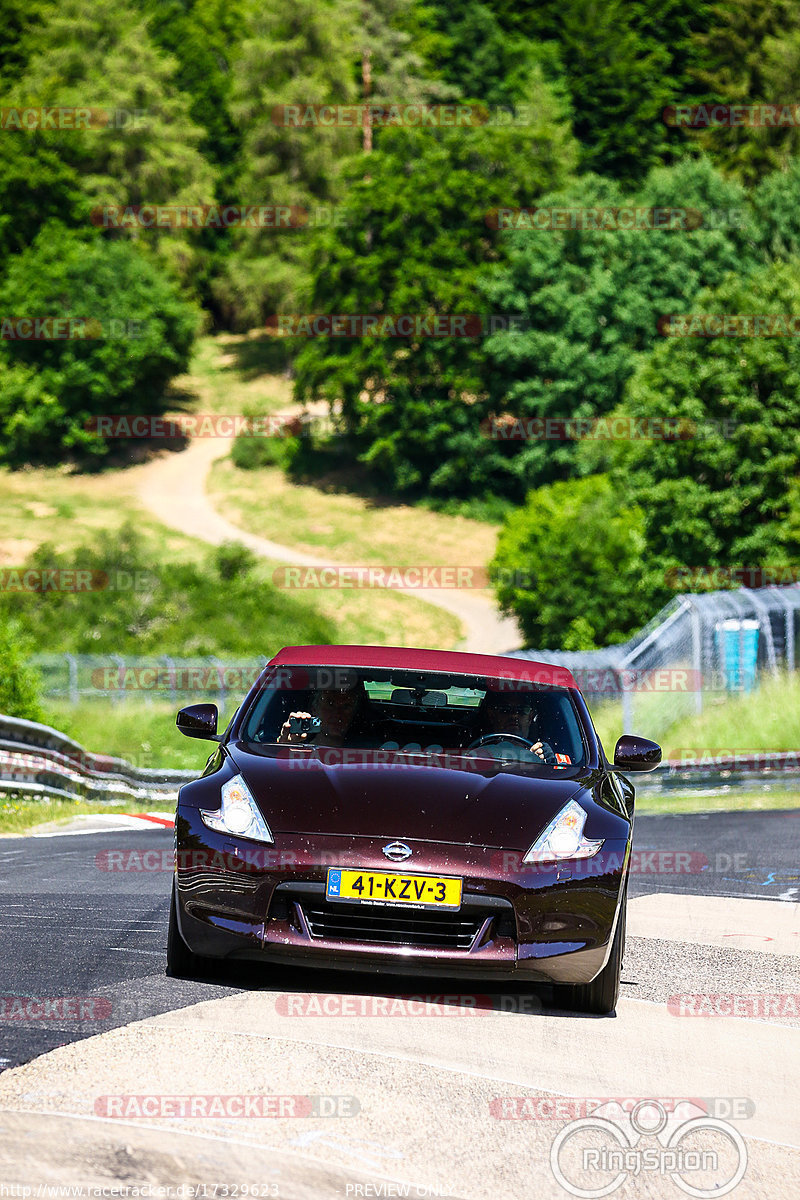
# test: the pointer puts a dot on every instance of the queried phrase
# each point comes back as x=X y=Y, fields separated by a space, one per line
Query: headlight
x=238 y=813
x=563 y=838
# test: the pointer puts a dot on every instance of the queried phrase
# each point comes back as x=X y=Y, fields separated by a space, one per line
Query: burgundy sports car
x=409 y=812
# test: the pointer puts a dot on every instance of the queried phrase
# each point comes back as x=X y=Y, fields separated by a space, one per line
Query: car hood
x=491 y=807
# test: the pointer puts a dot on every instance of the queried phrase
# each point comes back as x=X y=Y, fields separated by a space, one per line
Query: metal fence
x=145 y=679
x=39 y=761
x=698 y=647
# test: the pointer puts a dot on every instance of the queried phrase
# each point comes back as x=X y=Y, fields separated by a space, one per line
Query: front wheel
x=600 y=996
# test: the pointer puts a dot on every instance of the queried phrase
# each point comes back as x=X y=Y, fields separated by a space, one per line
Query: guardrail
x=735 y=770
x=40 y=761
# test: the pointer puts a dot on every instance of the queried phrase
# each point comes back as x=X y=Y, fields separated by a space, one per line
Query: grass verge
x=18 y=813
x=345 y=527
x=765 y=719
x=718 y=800
x=142 y=733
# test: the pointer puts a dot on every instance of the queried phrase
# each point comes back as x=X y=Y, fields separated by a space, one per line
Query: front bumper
x=547 y=924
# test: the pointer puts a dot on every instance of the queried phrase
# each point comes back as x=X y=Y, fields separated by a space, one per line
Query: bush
x=416 y=241
x=19 y=682
x=723 y=496
x=137 y=333
x=570 y=565
x=148 y=604
x=592 y=300
x=249 y=453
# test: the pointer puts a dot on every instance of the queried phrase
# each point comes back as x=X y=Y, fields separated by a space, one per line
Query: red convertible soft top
x=403 y=658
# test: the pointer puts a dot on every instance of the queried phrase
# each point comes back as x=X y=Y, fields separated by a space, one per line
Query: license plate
x=389 y=887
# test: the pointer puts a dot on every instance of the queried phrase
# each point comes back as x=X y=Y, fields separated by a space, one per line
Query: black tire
x=600 y=996
x=183 y=963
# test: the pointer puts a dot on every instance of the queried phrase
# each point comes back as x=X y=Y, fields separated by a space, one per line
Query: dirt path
x=173 y=489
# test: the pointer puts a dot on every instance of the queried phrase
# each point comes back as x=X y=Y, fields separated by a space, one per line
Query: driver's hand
x=286 y=735
x=538 y=749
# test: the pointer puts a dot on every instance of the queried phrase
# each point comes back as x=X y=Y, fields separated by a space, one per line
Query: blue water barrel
x=737 y=647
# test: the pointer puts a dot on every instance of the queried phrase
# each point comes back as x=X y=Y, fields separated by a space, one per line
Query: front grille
x=422 y=930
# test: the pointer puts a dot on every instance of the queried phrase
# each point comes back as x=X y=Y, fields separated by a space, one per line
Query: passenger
x=335 y=708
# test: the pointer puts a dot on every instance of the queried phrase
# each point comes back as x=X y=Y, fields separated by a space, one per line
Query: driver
x=512 y=714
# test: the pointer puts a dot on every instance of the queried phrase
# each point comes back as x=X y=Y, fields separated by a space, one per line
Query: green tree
x=202 y=37
x=17 y=18
x=416 y=242
x=570 y=566
x=312 y=53
x=776 y=204
x=299 y=54
x=19 y=682
x=722 y=496
x=134 y=333
x=472 y=54
x=624 y=62
x=89 y=55
x=591 y=301
x=749 y=55
x=36 y=186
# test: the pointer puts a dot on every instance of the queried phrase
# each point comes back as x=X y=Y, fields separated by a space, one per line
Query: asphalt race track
x=430 y=1099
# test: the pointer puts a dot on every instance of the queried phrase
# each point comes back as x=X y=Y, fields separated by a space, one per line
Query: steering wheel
x=490 y=739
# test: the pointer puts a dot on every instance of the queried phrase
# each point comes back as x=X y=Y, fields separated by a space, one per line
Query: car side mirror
x=198 y=721
x=634 y=753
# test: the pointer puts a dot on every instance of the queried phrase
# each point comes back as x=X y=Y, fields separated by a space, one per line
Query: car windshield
x=416 y=713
